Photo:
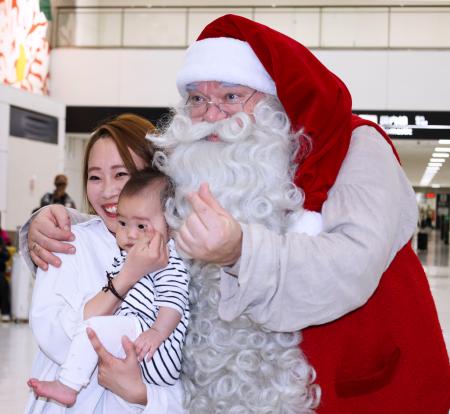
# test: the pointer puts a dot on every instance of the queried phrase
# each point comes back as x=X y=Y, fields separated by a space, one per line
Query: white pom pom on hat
x=224 y=59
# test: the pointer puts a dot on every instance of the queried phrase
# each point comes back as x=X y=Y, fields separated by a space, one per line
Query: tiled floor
x=17 y=349
x=17 y=346
x=436 y=262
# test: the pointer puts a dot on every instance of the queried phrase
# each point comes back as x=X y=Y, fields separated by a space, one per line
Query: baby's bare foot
x=53 y=390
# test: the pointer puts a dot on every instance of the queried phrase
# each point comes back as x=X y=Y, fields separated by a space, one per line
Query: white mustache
x=183 y=131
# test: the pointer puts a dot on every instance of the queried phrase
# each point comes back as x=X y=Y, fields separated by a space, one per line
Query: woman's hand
x=121 y=376
x=48 y=230
x=210 y=233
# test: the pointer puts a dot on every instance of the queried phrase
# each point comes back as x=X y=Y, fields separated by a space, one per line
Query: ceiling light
x=428 y=176
x=444 y=141
x=435 y=185
x=437 y=159
x=433 y=168
x=435 y=164
x=426 y=180
x=442 y=149
x=440 y=154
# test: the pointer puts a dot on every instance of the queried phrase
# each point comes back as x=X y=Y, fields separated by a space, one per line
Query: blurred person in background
x=59 y=195
x=5 y=298
x=4 y=234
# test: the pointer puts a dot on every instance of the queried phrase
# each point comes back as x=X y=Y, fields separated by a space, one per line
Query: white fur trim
x=309 y=222
x=224 y=59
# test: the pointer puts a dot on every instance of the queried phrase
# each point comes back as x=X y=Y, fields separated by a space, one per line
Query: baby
x=154 y=313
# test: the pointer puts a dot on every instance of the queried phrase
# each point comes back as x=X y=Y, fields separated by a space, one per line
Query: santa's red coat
x=387 y=356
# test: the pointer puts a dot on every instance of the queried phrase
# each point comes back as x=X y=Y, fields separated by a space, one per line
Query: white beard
x=249 y=172
x=237 y=367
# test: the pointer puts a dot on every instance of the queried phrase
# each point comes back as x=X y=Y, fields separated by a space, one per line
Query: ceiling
x=415 y=155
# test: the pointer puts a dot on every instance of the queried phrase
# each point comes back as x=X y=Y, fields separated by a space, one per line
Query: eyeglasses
x=60 y=184
x=198 y=104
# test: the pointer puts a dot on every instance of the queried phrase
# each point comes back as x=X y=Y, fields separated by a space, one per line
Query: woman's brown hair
x=128 y=132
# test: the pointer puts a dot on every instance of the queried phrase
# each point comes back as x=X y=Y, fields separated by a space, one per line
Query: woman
x=116 y=150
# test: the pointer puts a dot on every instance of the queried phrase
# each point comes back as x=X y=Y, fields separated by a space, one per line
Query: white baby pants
x=81 y=359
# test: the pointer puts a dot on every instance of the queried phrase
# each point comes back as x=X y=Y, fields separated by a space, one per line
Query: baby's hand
x=146 y=256
x=147 y=343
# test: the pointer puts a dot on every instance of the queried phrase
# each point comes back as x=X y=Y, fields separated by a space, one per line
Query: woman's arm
x=57 y=308
x=292 y=281
x=46 y=232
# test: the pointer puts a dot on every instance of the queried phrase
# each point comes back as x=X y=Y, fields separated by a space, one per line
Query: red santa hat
x=315 y=99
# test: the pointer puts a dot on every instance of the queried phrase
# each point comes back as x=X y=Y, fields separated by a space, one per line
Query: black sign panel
x=426 y=125
x=85 y=119
x=24 y=123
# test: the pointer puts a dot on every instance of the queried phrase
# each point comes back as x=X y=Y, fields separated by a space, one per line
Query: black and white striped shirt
x=165 y=287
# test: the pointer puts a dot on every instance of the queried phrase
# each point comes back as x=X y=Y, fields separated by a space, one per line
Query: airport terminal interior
x=65 y=65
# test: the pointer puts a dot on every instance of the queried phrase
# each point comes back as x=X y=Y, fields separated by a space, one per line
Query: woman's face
x=106 y=177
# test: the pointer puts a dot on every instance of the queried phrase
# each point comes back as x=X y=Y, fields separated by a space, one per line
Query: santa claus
x=234 y=365
x=270 y=130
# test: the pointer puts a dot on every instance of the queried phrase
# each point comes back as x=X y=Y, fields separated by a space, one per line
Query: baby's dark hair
x=143 y=179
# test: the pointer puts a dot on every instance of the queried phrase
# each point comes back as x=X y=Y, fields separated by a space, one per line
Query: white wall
x=73 y=167
x=377 y=79
x=27 y=168
x=32 y=167
x=393 y=79
x=115 y=77
x=4 y=132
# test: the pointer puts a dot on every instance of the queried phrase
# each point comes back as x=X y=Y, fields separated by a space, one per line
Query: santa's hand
x=210 y=233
